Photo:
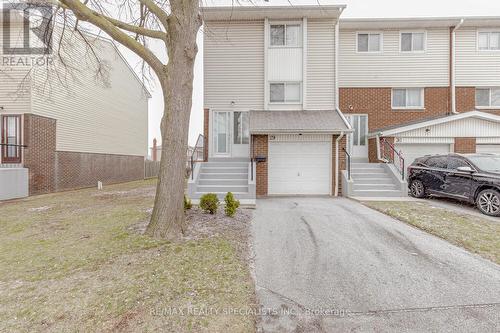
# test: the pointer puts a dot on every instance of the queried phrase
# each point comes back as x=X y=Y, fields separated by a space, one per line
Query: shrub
x=187 y=203
x=209 y=203
x=231 y=204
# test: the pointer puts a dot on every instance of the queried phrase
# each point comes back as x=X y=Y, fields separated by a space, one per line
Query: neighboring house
x=76 y=130
x=284 y=84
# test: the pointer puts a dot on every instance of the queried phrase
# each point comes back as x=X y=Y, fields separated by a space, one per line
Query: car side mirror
x=465 y=169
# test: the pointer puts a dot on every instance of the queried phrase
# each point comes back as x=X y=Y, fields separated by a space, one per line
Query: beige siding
x=15 y=90
x=320 y=78
x=93 y=115
x=391 y=68
x=469 y=127
x=234 y=64
x=473 y=67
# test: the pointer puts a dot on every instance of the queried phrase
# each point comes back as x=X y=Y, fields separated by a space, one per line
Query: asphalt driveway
x=334 y=265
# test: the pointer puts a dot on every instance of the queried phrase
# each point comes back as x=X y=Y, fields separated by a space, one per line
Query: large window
x=11 y=139
x=369 y=42
x=488 y=97
x=285 y=92
x=489 y=40
x=408 y=98
x=412 y=41
x=285 y=35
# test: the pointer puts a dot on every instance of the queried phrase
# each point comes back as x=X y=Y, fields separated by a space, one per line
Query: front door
x=241 y=134
x=358 y=140
x=221 y=130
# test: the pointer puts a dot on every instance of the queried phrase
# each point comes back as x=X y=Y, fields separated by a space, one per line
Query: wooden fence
x=151 y=169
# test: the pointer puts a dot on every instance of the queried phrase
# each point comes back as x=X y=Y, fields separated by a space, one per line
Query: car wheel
x=488 y=202
x=417 y=189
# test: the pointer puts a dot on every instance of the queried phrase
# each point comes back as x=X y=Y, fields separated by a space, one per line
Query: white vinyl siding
x=91 y=115
x=393 y=67
x=15 y=90
x=488 y=97
x=320 y=82
x=475 y=67
x=234 y=64
x=468 y=127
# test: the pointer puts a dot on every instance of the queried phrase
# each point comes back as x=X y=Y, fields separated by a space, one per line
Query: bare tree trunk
x=168 y=218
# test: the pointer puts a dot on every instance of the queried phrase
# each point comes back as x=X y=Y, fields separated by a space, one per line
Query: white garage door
x=488 y=149
x=413 y=151
x=300 y=167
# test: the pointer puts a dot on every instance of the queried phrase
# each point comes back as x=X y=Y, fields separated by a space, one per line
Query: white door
x=488 y=149
x=300 y=168
x=241 y=134
x=358 y=140
x=413 y=151
x=221 y=135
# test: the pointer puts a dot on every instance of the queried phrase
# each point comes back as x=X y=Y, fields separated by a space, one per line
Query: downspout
x=453 y=67
x=336 y=190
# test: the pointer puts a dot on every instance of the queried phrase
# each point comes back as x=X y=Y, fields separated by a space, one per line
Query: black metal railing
x=391 y=155
x=251 y=168
x=348 y=161
x=198 y=154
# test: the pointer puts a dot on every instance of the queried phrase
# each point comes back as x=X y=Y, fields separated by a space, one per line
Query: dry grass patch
x=75 y=261
x=476 y=234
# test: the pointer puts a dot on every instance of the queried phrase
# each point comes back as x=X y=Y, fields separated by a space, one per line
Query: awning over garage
x=326 y=122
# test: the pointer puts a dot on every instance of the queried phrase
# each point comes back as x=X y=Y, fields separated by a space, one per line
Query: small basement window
x=488 y=97
x=408 y=98
x=285 y=92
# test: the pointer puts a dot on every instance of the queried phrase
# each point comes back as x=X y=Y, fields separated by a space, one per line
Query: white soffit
x=418 y=22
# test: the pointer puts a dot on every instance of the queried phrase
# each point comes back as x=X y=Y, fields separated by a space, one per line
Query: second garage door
x=300 y=167
x=488 y=149
x=413 y=151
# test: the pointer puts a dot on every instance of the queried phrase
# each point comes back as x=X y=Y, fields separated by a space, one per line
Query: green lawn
x=476 y=234
x=75 y=261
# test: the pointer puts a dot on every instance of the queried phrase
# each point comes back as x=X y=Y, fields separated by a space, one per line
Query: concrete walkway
x=334 y=265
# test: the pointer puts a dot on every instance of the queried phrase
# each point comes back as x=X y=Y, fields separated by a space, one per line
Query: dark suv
x=469 y=177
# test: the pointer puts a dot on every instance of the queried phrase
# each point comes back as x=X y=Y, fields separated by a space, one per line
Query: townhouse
x=300 y=101
x=63 y=127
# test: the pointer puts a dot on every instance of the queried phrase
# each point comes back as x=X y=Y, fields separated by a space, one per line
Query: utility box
x=13 y=183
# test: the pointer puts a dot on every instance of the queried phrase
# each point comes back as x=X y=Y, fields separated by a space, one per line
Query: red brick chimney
x=155 y=150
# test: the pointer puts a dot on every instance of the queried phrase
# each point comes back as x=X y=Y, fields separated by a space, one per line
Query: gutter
x=453 y=67
x=336 y=190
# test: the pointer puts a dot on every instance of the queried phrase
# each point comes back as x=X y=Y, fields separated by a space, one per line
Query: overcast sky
x=355 y=9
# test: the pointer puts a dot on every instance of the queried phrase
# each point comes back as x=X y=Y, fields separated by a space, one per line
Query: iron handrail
x=200 y=144
x=348 y=158
x=390 y=153
x=251 y=168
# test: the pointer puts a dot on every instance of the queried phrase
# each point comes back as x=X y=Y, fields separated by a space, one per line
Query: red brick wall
x=465 y=145
x=260 y=148
x=78 y=170
x=466 y=100
x=377 y=104
x=342 y=162
x=39 y=156
x=206 y=128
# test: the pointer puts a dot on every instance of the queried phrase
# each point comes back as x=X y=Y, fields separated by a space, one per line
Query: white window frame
x=401 y=32
x=285 y=23
x=489 y=107
x=421 y=107
x=489 y=31
x=285 y=83
x=381 y=41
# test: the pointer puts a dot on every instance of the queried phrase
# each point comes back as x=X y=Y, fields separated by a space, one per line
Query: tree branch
x=157 y=11
x=84 y=13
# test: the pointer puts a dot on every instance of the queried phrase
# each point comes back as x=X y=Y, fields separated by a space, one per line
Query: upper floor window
x=412 y=41
x=489 y=41
x=369 y=42
x=408 y=98
x=488 y=97
x=285 y=92
x=286 y=35
x=11 y=139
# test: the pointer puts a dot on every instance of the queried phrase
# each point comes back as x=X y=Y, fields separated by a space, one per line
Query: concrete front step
x=242 y=175
x=224 y=170
x=225 y=164
x=368 y=170
x=367 y=165
x=221 y=188
x=229 y=160
x=380 y=186
x=377 y=180
x=222 y=195
x=376 y=193
x=361 y=175
x=242 y=181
